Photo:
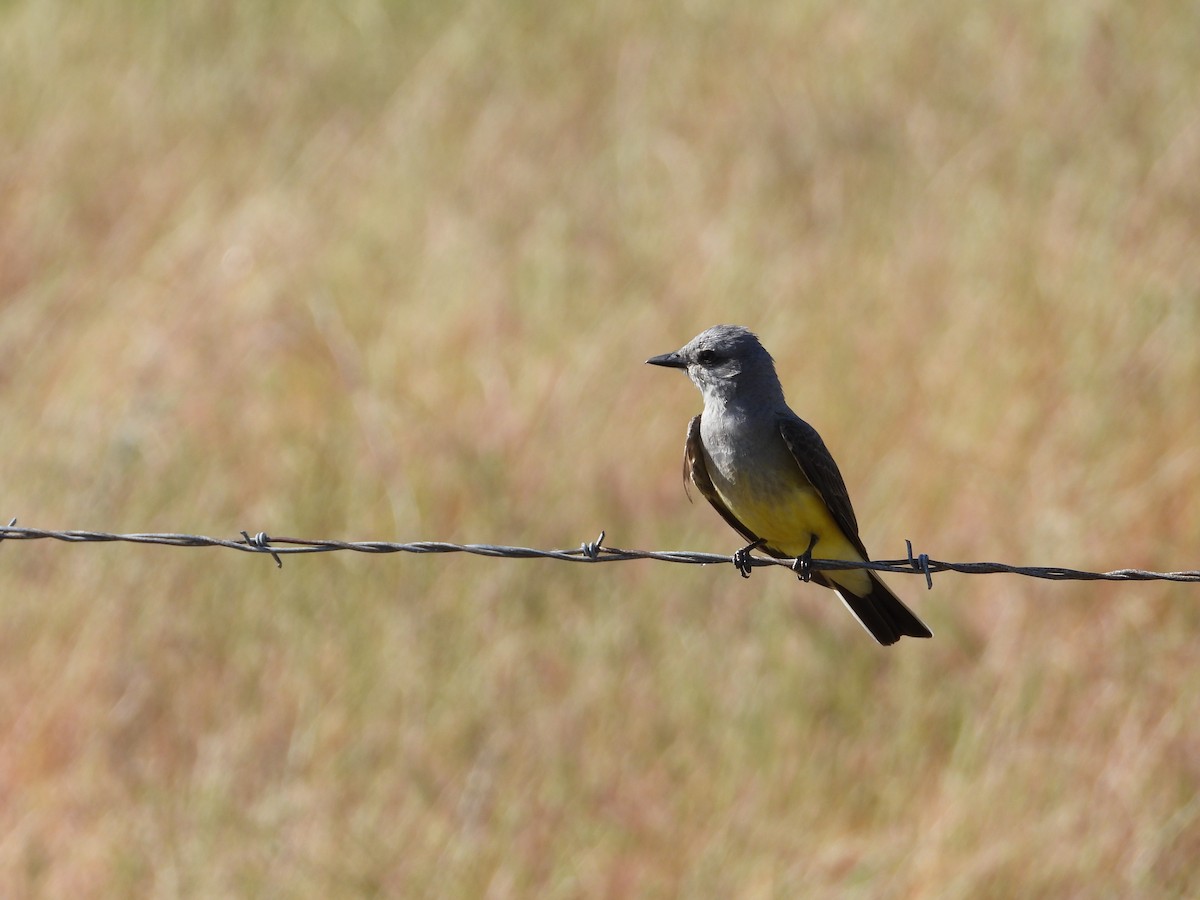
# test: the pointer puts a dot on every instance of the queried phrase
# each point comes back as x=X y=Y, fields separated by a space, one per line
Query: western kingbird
x=768 y=474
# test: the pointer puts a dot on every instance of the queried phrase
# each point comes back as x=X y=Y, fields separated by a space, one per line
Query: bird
x=771 y=477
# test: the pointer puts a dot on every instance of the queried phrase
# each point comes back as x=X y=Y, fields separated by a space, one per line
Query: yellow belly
x=787 y=517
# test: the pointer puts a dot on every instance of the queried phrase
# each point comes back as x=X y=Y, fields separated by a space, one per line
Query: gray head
x=727 y=363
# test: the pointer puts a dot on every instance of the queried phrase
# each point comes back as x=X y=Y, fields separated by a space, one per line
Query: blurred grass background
x=389 y=270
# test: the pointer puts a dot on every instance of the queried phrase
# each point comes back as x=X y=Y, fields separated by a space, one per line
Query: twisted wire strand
x=588 y=552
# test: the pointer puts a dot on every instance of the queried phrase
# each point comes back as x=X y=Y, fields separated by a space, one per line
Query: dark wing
x=695 y=471
x=818 y=467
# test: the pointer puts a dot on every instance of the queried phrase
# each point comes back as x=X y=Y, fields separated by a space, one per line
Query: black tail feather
x=884 y=614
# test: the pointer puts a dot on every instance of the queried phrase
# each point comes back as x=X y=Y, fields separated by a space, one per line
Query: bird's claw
x=803 y=564
x=742 y=560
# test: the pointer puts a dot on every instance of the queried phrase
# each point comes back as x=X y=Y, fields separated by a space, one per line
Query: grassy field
x=384 y=270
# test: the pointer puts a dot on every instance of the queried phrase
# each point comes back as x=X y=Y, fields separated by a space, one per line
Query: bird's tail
x=883 y=613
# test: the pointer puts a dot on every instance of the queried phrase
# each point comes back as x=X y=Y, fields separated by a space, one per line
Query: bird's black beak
x=670 y=360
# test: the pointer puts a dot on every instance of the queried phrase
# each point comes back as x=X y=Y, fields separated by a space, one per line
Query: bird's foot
x=803 y=564
x=741 y=559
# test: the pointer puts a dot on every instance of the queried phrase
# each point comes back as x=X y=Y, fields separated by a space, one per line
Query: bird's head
x=725 y=362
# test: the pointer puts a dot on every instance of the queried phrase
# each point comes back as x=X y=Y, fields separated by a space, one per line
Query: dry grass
x=390 y=271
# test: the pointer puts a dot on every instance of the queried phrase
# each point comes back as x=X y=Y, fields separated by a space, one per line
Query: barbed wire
x=592 y=552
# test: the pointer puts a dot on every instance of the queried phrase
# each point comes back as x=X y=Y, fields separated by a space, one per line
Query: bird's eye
x=706 y=357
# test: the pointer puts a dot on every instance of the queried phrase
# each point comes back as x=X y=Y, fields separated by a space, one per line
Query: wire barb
x=920 y=564
x=262 y=543
x=591 y=549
